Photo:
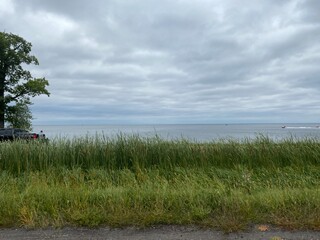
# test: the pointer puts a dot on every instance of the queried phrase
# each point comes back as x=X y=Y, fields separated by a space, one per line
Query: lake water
x=201 y=132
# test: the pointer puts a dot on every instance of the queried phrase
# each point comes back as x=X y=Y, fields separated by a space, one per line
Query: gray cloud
x=172 y=61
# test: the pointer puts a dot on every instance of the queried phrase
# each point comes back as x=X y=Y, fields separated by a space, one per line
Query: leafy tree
x=19 y=116
x=17 y=85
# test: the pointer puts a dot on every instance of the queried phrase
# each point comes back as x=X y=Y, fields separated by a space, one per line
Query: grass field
x=131 y=180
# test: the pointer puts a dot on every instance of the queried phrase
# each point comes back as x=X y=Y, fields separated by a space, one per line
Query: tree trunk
x=2 y=103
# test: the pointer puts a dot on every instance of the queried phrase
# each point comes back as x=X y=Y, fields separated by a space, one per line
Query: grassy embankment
x=144 y=181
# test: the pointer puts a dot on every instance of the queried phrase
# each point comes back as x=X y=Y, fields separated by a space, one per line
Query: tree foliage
x=19 y=116
x=17 y=86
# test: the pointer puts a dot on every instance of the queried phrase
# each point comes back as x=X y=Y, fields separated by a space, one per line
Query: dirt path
x=155 y=233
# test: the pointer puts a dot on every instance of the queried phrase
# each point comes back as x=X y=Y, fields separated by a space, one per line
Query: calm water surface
x=192 y=132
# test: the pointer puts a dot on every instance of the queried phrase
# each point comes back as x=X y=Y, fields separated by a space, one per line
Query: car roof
x=2 y=129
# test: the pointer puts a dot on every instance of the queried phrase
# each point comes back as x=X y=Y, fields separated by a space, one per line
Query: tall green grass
x=134 y=152
x=219 y=198
x=131 y=180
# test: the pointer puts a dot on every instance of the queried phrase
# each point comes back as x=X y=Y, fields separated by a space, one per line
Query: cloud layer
x=185 y=61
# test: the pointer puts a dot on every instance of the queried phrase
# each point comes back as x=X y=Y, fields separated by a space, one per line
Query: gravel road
x=154 y=233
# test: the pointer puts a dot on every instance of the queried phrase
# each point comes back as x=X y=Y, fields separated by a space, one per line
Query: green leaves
x=37 y=87
x=19 y=116
x=17 y=85
x=15 y=50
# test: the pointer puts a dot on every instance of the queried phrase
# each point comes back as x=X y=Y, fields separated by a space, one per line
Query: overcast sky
x=181 y=61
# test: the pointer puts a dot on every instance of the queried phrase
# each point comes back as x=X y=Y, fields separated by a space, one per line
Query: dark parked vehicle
x=10 y=134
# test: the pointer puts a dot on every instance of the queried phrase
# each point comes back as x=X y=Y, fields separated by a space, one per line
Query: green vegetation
x=17 y=86
x=139 y=181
